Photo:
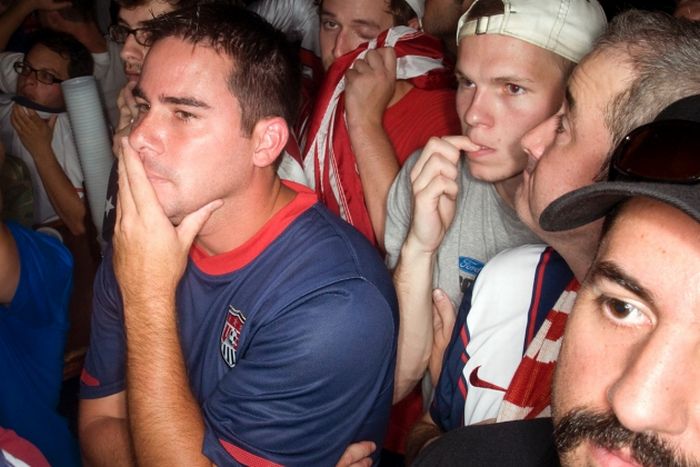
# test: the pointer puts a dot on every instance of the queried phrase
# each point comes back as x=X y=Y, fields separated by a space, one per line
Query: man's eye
x=465 y=83
x=514 y=89
x=623 y=312
x=328 y=24
x=182 y=115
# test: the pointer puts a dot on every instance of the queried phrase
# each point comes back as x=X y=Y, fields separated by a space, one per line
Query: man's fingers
x=192 y=223
x=445 y=312
x=357 y=454
x=386 y=57
x=463 y=143
x=125 y=199
x=438 y=166
x=52 y=121
x=142 y=192
x=435 y=145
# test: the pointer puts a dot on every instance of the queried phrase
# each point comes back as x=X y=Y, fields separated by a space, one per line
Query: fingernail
x=438 y=294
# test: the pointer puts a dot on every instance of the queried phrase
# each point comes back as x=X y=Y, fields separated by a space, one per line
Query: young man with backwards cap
x=448 y=214
x=622 y=83
x=386 y=91
x=626 y=385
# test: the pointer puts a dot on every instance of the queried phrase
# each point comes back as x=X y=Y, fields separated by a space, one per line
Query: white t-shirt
x=484 y=225
x=109 y=72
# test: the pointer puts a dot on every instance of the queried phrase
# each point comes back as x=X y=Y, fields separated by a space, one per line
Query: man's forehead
x=43 y=58
x=142 y=13
x=177 y=67
x=372 y=12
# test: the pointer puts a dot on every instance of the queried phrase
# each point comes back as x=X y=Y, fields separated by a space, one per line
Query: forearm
x=61 y=192
x=413 y=279
x=165 y=420
x=378 y=166
x=422 y=434
x=9 y=265
x=12 y=18
x=90 y=36
x=106 y=442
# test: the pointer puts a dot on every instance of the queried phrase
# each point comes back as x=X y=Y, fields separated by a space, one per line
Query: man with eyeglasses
x=618 y=86
x=34 y=126
x=76 y=18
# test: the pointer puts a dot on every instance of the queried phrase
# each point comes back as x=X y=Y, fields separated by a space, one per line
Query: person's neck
x=242 y=216
x=578 y=246
x=507 y=188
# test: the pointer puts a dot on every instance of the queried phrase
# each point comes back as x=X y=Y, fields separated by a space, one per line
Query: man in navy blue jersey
x=235 y=320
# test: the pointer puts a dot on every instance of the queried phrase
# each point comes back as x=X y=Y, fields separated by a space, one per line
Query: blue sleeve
x=103 y=373
x=447 y=408
x=316 y=377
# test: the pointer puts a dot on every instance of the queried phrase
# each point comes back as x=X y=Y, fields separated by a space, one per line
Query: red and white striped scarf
x=329 y=163
x=529 y=393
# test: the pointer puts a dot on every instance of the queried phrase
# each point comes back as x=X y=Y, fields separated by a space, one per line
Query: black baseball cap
x=659 y=160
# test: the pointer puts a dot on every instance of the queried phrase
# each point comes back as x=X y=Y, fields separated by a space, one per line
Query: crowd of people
x=354 y=233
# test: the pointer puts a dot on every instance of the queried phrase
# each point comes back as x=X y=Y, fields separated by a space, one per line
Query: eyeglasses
x=118 y=33
x=663 y=151
x=42 y=76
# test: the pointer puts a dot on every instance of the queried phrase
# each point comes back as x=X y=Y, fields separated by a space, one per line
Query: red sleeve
x=419 y=115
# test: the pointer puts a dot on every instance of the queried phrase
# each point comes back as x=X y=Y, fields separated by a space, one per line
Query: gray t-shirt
x=483 y=226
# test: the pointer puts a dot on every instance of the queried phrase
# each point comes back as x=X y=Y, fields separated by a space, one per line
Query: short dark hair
x=400 y=10
x=176 y=4
x=80 y=62
x=664 y=54
x=266 y=74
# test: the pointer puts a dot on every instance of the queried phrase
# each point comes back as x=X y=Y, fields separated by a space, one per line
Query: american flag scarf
x=529 y=393
x=329 y=163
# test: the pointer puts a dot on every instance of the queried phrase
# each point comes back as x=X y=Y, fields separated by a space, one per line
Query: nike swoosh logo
x=477 y=382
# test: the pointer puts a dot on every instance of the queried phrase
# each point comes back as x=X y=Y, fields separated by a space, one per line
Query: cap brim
x=587 y=204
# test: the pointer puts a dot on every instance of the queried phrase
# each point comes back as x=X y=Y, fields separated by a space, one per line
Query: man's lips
x=618 y=458
x=481 y=152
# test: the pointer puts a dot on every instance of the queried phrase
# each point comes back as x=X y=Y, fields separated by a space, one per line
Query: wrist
x=413 y=247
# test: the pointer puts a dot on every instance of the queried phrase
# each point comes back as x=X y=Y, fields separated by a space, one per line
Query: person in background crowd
x=387 y=90
x=36 y=274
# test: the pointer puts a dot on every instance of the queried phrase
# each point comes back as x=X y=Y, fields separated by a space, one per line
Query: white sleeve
x=8 y=75
x=298 y=19
x=67 y=153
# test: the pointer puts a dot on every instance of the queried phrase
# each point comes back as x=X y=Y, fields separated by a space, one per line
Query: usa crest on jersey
x=231 y=334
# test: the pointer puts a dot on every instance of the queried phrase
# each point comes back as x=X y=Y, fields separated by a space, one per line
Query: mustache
x=606 y=431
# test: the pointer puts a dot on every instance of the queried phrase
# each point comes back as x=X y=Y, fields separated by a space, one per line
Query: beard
x=605 y=430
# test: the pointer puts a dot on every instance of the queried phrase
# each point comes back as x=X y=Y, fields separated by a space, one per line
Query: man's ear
x=270 y=135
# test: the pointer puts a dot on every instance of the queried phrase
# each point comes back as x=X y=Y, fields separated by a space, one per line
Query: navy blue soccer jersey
x=289 y=340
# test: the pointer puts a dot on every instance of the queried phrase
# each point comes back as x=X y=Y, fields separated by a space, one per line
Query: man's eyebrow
x=186 y=101
x=354 y=22
x=608 y=270
x=512 y=79
x=50 y=70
